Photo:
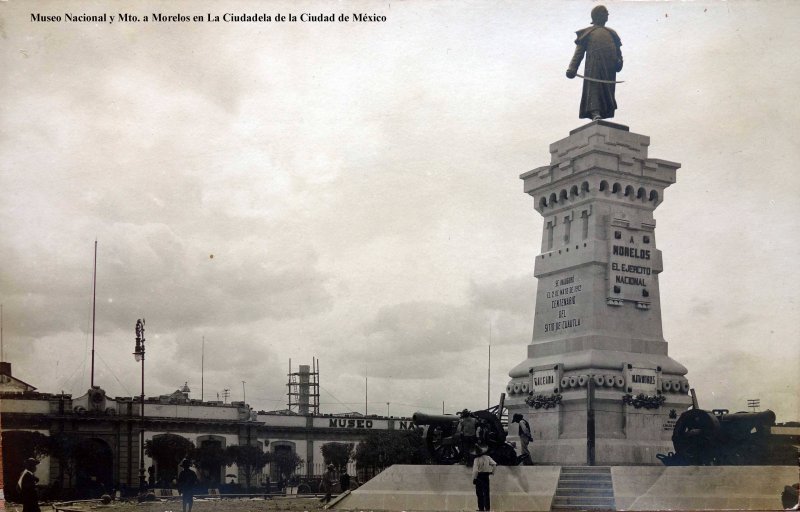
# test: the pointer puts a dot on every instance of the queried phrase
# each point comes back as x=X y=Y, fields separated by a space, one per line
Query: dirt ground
x=292 y=504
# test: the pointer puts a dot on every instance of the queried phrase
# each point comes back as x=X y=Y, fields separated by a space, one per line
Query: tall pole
x=366 y=393
x=202 y=366
x=139 y=355
x=141 y=430
x=489 y=375
x=590 y=433
x=244 y=393
x=1 y=333
x=94 y=301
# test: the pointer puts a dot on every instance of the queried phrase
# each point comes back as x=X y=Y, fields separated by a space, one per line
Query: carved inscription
x=563 y=295
x=544 y=381
x=629 y=264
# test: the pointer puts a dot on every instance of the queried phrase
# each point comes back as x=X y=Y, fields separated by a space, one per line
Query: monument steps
x=582 y=487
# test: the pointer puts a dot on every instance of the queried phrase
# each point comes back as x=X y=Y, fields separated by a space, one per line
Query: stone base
x=701 y=487
x=533 y=488
x=608 y=452
x=450 y=488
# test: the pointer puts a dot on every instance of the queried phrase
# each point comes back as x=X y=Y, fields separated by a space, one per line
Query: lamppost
x=138 y=354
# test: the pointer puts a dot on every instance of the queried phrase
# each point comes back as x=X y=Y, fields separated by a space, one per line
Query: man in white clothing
x=482 y=468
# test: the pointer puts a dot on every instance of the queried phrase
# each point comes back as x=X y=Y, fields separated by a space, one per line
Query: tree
x=209 y=457
x=337 y=454
x=167 y=451
x=382 y=449
x=19 y=445
x=286 y=463
x=250 y=459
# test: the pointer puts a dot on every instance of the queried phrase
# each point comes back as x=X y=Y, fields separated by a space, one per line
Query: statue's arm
x=619 y=60
x=577 y=57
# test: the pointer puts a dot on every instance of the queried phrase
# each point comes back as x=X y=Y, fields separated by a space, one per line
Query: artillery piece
x=443 y=443
x=718 y=438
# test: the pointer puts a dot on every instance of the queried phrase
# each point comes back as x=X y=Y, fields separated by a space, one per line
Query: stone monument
x=598 y=386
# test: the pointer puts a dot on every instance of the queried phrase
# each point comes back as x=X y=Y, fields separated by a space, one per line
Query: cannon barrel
x=702 y=437
x=764 y=417
x=421 y=418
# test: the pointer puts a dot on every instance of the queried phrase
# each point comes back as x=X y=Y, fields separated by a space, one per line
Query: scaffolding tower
x=304 y=388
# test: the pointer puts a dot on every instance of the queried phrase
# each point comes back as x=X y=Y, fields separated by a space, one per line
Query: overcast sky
x=350 y=191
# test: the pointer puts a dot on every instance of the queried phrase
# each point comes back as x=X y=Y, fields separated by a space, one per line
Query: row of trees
x=77 y=455
x=168 y=450
x=380 y=449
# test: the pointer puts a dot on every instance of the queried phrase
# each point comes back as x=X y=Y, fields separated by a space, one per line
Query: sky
x=349 y=191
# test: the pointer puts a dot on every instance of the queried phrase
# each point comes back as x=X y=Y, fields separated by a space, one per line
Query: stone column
x=598 y=311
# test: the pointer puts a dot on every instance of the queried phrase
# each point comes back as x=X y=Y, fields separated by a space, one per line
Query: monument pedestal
x=598 y=386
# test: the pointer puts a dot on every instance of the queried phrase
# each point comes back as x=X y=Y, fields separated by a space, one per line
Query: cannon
x=443 y=443
x=703 y=438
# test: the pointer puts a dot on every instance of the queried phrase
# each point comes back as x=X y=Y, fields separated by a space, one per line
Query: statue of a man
x=603 y=60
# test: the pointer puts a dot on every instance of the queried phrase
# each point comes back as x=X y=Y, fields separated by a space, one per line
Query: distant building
x=112 y=426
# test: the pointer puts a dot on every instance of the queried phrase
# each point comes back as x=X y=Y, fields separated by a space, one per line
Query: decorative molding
x=644 y=401
x=542 y=401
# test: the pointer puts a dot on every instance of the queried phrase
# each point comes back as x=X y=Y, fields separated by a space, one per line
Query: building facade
x=110 y=429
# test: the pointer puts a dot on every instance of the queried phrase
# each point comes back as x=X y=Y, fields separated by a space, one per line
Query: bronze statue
x=603 y=61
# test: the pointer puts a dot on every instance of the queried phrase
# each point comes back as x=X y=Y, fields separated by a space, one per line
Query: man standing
x=482 y=469
x=467 y=432
x=344 y=480
x=328 y=481
x=525 y=437
x=603 y=61
x=27 y=486
x=187 y=484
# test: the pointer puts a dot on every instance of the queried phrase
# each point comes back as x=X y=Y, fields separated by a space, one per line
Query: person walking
x=525 y=437
x=482 y=469
x=328 y=481
x=187 y=485
x=27 y=486
x=344 y=481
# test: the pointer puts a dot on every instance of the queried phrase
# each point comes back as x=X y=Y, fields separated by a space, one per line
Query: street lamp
x=138 y=354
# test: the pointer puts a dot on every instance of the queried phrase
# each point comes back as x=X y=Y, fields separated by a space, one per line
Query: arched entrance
x=94 y=468
x=210 y=459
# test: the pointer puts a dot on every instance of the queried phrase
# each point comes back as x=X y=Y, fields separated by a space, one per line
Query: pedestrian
x=328 y=481
x=467 y=433
x=27 y=486
x=187 y=483
x=344 y=481
x=482 y=469
x=525 y=437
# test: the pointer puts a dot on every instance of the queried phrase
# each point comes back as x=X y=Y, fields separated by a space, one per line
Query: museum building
x=113 y=427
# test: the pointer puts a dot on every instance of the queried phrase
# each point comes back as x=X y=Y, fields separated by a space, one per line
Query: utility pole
x=94 y=300
x=590 y=434
x=244 y=393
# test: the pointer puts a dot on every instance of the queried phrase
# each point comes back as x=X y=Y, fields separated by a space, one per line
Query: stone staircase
x=584 y=488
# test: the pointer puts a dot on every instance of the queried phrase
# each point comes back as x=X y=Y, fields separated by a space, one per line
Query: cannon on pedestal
x=703 y=438
x=443 y=443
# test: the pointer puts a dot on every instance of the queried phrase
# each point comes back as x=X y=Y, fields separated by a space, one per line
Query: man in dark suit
x=27 y=487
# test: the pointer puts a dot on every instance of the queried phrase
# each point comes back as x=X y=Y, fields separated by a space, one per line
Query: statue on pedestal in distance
x=601 y=45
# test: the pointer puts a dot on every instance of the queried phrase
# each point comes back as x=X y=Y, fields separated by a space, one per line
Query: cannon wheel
x=695 y=436
x=505 y=455
x=496 y=434
x=442 y=444
x=446 y=453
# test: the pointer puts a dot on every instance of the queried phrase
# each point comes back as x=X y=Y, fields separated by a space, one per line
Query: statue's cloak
x=601 y=45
